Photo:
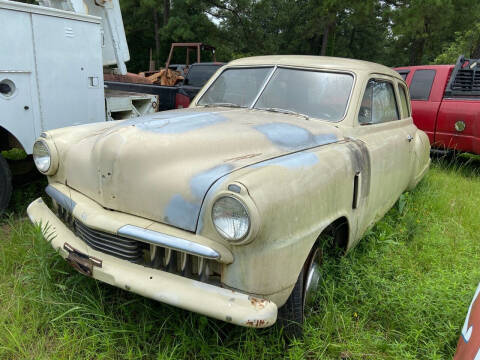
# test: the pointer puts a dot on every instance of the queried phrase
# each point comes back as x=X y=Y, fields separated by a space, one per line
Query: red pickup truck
x=446 y=103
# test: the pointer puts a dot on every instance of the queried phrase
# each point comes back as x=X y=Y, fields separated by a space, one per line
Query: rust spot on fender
x=257 y=303
x=257 y=323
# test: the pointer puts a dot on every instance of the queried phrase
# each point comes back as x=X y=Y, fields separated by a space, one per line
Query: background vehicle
x=446 y=103
x=197 y=76
x=174 y=85
x=51 y=74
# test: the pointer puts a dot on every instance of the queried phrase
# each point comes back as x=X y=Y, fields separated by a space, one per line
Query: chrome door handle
x=409 y=138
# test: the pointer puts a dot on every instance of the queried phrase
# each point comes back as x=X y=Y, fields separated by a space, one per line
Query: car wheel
x=5 y=184
x=302 y=299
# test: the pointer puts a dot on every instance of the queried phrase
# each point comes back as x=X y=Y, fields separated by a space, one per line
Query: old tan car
x=221 y=208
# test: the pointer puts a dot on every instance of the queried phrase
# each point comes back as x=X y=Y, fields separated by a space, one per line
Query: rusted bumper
x=213 y=301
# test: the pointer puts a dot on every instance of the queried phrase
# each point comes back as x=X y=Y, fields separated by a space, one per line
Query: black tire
x=5 y=184
x=292 y=314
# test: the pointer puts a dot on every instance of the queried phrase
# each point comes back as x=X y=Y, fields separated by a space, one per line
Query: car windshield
x=316 y=94
x=238 y=86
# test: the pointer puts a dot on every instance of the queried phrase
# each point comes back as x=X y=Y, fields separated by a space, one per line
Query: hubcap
x=313 y=280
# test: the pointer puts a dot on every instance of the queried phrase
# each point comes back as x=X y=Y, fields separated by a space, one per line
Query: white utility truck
x=52 y=61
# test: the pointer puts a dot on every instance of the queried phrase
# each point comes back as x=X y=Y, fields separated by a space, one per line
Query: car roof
x=208 y=63
x=320 y=62
x=420 y=67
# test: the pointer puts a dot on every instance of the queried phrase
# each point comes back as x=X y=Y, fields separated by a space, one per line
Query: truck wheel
x=300 y=302
x=5 y=184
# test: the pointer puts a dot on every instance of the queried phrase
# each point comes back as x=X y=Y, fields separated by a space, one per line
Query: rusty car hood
x=161 y=166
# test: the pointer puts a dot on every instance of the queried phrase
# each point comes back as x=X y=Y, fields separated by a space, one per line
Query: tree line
x=391 y=32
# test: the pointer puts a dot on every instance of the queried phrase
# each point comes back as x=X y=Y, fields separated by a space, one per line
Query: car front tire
x=300 y=302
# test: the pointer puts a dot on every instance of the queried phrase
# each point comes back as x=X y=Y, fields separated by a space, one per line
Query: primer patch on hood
x=183 y=213
x=172 y=123
x=292 y=137
x=292 y=161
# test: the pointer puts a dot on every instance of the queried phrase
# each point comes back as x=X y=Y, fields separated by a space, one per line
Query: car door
x=425 y=102
x=385 y=130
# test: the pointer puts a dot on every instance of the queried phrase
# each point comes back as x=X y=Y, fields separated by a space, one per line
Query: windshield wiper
x=284 y=111
x=224 y=105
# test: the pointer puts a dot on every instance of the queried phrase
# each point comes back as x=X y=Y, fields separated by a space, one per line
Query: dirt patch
x=4 y=230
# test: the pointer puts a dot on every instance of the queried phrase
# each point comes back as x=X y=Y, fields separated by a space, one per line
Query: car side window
x=404 y=101
x=421 y=84
x=378 y=104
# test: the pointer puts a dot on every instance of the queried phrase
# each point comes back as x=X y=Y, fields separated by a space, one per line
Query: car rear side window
x=421 y=84
x=403 y=74
x=404 y=101
x=378 y=104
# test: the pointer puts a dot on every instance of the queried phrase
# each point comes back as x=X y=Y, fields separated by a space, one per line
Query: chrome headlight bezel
x=223 y=233
x=48 y=149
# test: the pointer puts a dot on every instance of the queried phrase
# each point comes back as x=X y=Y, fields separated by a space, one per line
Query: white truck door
x=69 y=71
x=114 y=42
x=17 y=77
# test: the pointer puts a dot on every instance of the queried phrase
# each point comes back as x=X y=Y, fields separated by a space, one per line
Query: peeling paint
x=361 y=163
x=294 y=137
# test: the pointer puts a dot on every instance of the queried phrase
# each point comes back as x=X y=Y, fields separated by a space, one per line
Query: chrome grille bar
x=171 y=242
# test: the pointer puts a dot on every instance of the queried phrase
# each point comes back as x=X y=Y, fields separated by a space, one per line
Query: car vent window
x=378 y=104
x=422 y=84
x=404 y=101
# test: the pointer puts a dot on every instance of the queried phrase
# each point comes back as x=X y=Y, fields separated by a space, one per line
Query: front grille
x=153 y=256
x=181 y=263
x=111 y=244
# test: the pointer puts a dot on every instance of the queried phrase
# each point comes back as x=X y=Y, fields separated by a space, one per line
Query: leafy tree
x=392 y=32
x=466 y=43
x=421 y=27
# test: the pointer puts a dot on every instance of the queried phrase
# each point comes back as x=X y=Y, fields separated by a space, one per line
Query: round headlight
x=230 y=218
x=41 y=156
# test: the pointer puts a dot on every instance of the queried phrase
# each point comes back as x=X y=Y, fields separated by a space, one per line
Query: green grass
x=402 y=293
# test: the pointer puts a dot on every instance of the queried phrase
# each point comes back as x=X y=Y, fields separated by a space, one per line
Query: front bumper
x=213 y=301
